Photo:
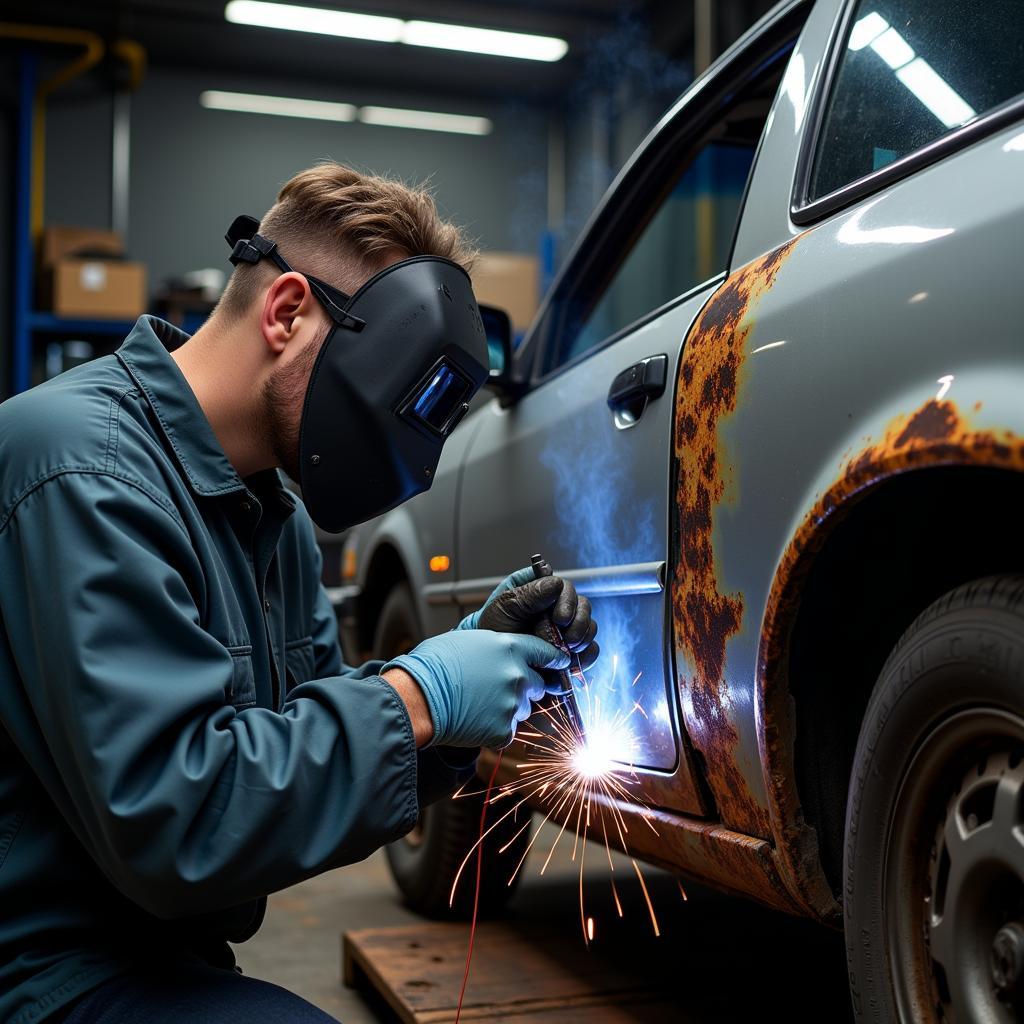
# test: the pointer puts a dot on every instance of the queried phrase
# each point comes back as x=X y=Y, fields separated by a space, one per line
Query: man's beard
x=283 y=399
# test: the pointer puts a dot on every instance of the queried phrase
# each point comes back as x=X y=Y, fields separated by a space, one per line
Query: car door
x=580 y=467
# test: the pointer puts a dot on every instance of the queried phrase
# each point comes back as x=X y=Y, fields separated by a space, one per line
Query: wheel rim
x=954 y=873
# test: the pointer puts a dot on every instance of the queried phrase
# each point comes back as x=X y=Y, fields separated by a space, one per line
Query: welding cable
x=476 y=890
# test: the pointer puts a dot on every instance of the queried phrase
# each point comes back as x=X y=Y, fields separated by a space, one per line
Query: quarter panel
x=890 y=340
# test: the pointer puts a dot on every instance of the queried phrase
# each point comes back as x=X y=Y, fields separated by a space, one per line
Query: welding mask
x=395 y=375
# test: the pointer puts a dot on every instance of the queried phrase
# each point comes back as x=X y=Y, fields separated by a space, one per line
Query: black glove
x=539 y=605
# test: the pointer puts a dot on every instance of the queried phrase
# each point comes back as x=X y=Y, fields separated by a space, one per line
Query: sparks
x=576 y=773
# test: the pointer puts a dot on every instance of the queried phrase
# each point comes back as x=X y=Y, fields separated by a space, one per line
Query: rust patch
x=936 y=434
x=703 y=617
x=716 y=856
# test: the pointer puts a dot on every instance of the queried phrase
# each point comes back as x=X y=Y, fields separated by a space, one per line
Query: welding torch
x=547 y=630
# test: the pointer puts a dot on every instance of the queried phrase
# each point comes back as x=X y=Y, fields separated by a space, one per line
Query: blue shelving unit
x=30 y=324
x=52 y=324
x=21 y=346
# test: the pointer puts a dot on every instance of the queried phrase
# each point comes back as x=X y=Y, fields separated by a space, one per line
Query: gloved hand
x=523 y=604
x=478 y=683
x=515 y=579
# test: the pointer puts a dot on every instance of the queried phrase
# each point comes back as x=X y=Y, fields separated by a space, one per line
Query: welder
x=178 y=734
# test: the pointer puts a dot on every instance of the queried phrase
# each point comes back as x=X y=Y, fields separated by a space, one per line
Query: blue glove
x=479 y=684
x=510 y=582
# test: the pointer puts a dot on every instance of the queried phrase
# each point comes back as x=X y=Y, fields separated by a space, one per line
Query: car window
x=670 y=223
x=682 y=239
x=910 y=72
x=685 y=242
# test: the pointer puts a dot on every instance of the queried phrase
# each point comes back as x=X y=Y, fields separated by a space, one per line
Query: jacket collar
x=145 y=354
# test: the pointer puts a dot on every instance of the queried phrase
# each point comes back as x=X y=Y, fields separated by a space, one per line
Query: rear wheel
x=934 y=853
x=424 y=863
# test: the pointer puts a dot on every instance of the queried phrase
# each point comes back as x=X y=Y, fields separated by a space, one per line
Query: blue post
x=21 y=361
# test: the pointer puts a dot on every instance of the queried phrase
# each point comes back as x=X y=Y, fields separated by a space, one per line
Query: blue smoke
x=627 y=81
x=603 y=522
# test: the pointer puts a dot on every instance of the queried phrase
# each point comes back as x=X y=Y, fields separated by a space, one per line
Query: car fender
x=914 y=430
x=396 y=529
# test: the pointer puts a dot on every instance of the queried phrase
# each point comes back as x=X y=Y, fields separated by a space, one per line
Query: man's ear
x=289 y=302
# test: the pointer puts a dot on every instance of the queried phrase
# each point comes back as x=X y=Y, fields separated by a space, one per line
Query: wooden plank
x=519 y=974
x=632 y=1013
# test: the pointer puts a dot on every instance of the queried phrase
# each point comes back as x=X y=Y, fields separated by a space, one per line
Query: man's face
x=284 y=392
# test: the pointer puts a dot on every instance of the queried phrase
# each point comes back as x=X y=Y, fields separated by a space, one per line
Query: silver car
x=770 y=419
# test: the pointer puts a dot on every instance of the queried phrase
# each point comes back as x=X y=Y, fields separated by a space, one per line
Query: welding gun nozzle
x=567 y=697
x=541 y=567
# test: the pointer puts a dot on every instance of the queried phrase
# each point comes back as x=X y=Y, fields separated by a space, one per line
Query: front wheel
x=425 y=862
x=934 y=854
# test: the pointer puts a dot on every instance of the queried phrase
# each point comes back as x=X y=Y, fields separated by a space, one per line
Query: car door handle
x=635 y=387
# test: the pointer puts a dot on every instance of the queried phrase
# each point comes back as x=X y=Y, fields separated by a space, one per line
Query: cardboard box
x=106 y=289
x=60 y=243
x=510 y=281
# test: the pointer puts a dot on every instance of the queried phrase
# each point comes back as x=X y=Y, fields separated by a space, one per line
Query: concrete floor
x=718 y=958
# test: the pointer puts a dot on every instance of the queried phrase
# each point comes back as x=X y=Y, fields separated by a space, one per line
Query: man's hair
x=339 y=225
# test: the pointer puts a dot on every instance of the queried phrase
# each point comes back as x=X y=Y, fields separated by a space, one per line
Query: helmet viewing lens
x=441 y=399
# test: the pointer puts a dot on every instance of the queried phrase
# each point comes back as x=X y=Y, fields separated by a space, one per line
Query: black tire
x=398 y=627
x=424 y=863
x=933 y=864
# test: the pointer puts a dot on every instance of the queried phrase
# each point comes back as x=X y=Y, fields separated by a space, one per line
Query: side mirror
x=498 y=327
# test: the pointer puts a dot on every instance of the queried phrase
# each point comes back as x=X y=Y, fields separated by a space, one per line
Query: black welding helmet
x=404 y=356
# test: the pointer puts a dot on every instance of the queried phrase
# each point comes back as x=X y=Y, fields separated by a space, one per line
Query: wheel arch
x=389 y=552
x=931 y=505
x=385 y=570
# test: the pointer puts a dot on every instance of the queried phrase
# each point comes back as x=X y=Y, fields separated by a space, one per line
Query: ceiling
x=194 y=33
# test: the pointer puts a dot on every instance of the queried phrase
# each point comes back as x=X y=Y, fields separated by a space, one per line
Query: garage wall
x=194 y=169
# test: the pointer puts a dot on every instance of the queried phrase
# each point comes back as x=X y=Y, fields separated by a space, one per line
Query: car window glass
x=685 y=242
x=910 y=72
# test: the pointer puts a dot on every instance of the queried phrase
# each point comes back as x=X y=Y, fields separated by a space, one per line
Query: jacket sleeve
x=185 y=803
x=441 y=770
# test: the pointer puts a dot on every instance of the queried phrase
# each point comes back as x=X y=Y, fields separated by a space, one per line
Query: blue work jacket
x=178 y=734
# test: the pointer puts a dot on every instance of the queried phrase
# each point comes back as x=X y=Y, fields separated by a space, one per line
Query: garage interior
x=131 y=149
x=132 y=132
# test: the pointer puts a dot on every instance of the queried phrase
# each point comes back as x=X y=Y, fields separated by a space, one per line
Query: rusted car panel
x=936 y=434
x=704 y=618
x=735 y=863
x=870 y=362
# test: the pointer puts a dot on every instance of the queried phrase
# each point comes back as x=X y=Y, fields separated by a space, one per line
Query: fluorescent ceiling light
x=285 y=106
x=893 y=49
x=484 y=40
x=314 y=19
x=913 y=71
x=351 y=25
x=429 y=120
x=1016 y=143
x=934 y=92
x=396 y=117
x=866 y=29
